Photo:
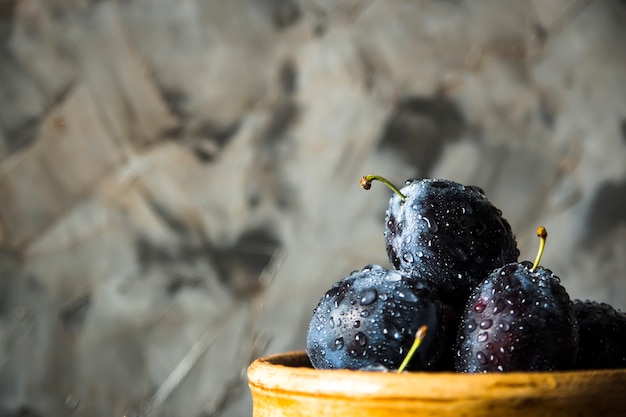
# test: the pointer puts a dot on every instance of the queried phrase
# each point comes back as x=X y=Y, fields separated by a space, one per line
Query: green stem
x=419 y=336
x=543 y=236
x=366 y=184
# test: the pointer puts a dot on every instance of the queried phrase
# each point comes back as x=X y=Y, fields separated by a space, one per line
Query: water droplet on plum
x=360 y=339
x=485 y=324
x=500 y=305
x=432 y=225
x=504 y=326
x=471 y=325
x=337 y=345
x=393 y=276
x=391 y=330
x=480 y=306
x=368 y=297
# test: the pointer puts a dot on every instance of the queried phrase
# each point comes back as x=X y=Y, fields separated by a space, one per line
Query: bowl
x=286 y=385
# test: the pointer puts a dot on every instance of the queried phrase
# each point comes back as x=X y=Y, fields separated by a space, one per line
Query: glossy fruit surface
x=602 y=330
x=518 y=319
x=368 y=320
x=447 y=232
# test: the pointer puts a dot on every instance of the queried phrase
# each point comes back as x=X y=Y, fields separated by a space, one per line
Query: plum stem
x=366 y=184
x=543 y=236
x=419 y=336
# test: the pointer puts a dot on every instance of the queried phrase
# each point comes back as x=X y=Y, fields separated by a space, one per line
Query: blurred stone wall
x=179 y=179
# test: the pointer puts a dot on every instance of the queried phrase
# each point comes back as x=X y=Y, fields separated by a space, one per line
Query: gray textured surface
x=179 y=180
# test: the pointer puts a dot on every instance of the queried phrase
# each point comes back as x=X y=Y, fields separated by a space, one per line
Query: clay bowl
x=286 y=385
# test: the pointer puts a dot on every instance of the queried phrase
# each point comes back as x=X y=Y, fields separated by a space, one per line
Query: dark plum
x=602 y=330
x=447 y=232
x=369 y=320
x=520 y=318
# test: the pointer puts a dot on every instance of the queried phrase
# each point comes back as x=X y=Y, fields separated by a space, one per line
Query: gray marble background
x=179 y=179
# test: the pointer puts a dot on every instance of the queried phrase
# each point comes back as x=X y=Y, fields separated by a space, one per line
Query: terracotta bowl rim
x=291 y=372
